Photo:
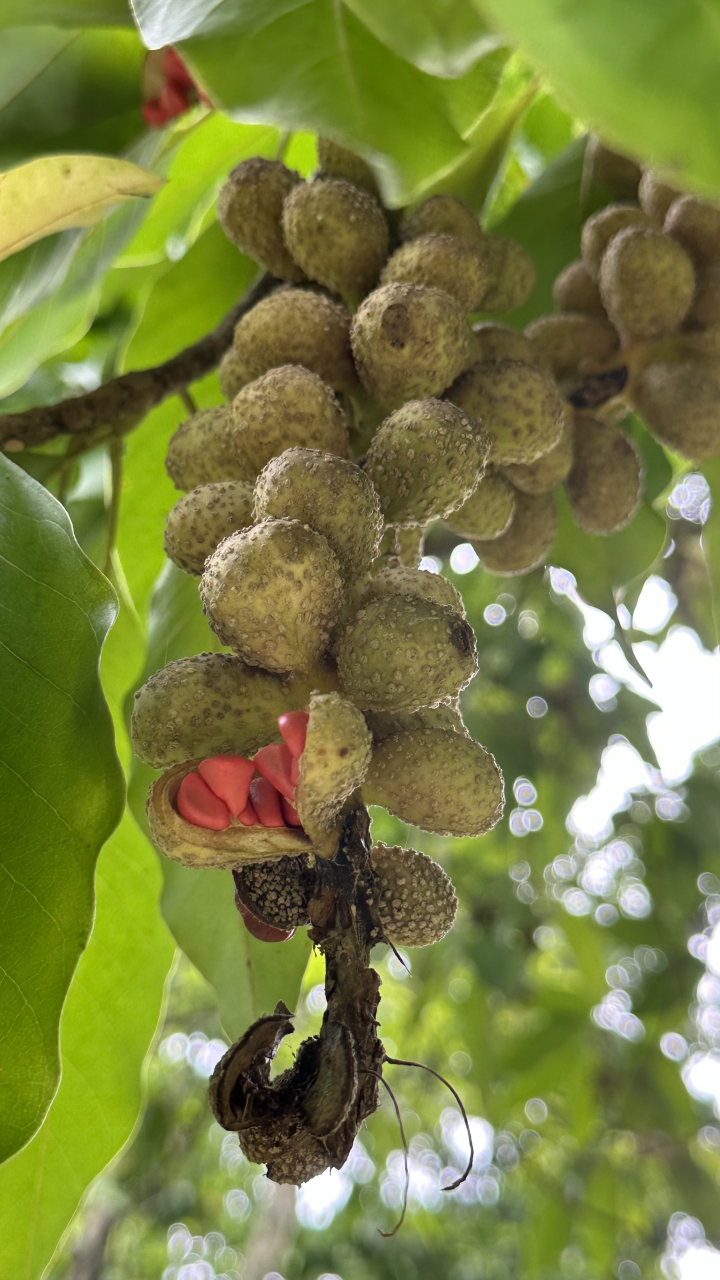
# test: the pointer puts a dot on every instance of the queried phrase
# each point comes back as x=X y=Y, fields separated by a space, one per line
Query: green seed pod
x=443 y=215
x=605 y=485
x=647 y=283
x=333 y=496
x=273 y=594
x=600 y=228
x=332 y=766
x=204 y=706
x=201 y=451
x=409 y=342
x=527 y=542
x=437 y=780
x=250 y=212
x=443 y=262
x=338 y=162
x=286 y=408
x=400 y=653
x=338 y=235
x=705 y=309
x=425 y=460
x=488 y=511
x=296 y=326
x=230 y=375
x=200 y=521
x=545 y=472
x=399 y=580
x=656 y=196
x=695 y=224
x=700 y=348
x=572 y=342
x=405 y=545
x=500 y=342
x=277 y=892
x=680 y=405
x=519 y=406
x=618 y=172
x=511 y=273
x=385 y=724
x=575 y=290
x=413 y=899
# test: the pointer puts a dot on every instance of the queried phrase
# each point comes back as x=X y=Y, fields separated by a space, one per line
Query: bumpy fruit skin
x=405 y=545
x=332 y=495
x=442 y=215
x=545 y=472
x=575 y=290
x=680 y=405
x=700 y=348
x=206 y=705
x=332 y=766
x=656 y=196
x=438 y=780
x=385 y=724
x=200 y=521
x=273 y=594
x=600 y=227
x=413 y=898
x=230 y=374
x=695 y=224
x=647 y=283
x=338 y=234
x=618 y=172
x=399 y=580
x=276 y=892
x=572 y=342
x=296 y=326
x=336 y=161
x=400 y=653
x=443 y=262
x=286 y=408
x=527 y=541
x=201 y=451
x=705 y=309
x=500 y=342
x=250 y=212
x=409 y=342
x=425 y=460
x=519 y=406
x=511 y=273
x=605 y=485
x=488 y=511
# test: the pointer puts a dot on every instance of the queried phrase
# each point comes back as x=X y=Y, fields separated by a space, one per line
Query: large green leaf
x=603 y=566
x=66 y=13
x=644 y=74
x=108 y=1022
x=443 y=37
x=62 y=786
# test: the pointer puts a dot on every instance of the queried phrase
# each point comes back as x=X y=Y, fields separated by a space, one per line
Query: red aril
x=290 y=813
x=293 y=727
x=266 y=802
x=197 y=804
x=248 y=817
x=229 y=778
x=175 y=70
x=274 y=763
x=263 y=932
x=173 y=101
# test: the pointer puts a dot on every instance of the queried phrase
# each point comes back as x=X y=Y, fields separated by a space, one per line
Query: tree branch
x=123 y=402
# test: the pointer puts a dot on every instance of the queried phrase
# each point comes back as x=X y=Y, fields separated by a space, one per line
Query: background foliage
x=569 y=966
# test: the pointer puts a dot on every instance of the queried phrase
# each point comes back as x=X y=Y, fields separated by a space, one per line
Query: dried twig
x=403 y=1062
x=401 y=1219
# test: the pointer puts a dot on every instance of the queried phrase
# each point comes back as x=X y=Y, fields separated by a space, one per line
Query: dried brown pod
x=277 y=892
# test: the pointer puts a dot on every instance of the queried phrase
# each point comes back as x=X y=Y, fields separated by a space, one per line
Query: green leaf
x=645 y=75
x=62 y=786
x=108 y=1023
x=603 y=566
x=442 y=37
x=58 y=192
x=66 y=13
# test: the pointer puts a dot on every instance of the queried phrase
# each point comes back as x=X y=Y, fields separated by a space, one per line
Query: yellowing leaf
x=57 y=192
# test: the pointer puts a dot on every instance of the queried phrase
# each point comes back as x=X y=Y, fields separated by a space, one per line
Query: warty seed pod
x=425 y=460
x=386 y=724
x=656 y=196
x=442 y=215
x=443 y=262
x=600 y=227
x=400 y=580
x=519 y=406
x=288 y=407
x=488 y=511
x=528 y=539
x=501 y=342
x=604 y=487
x=332 y=767
x=413 y=899
x=647 y=282
x=572 y=343
x=250 y=208
x=199 y=521
x=277 y=892
x=296 y=326
x=201 y=451
x=338 y=235
x=400 y=653
x=336 y=161
x=438 y=780
x=231 y=374
x=680 y=406
x=273 y=593
x=547 y=471
x=575 y=290
x=511 y=274
x=695 y=224
x=207 y=705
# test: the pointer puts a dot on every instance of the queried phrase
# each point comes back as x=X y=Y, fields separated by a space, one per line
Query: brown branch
x=123 y=402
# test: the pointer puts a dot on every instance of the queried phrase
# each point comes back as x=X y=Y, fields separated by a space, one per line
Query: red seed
x=174 y=69
x=153 y=114
x=266 y=802
x=293 y=727
x=173 y=101
x=229 y=777
x=290 y=813
x=197 y=804
x=295 y=772
x=248 y=817
x=263 y=932
x=274 y=763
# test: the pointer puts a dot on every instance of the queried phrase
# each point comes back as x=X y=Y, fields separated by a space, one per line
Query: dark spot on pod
x=263 y=932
